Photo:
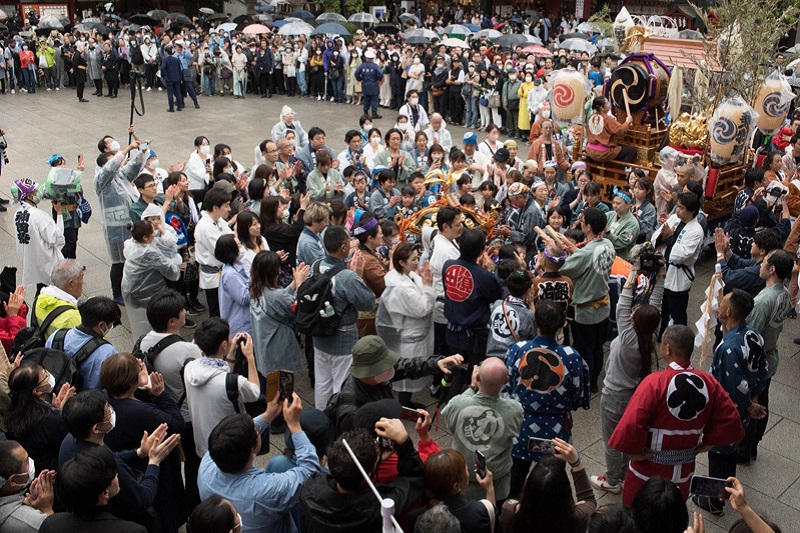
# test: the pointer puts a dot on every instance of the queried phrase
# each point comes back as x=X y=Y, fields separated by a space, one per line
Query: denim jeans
x=338 y=89
x=612 y=406
x=471 y=108
x=301 y=82
x=208 y=89
x=30 y=80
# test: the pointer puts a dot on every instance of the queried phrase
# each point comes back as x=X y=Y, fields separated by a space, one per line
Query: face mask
x=528 y=78
x=416 y=60
x=154 y=163
x=374 y=141
x=114 y=146
x=319 y=52
x=546 y=113
x=105 y=334
x=414 y=101
x=471 y=70
x=394 y=240
x=205 y=149
x=31 y=475
x=440 y=65
x=51 y=381
x=512 y=77
x=285 y=217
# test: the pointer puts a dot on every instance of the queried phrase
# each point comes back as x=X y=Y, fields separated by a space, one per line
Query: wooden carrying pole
x=627 y=102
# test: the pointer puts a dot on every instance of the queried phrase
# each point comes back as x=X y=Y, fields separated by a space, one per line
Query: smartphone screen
x=540 y=445
x=287 y=385
x=480 y=464
x=709 y=486
x=410 y=414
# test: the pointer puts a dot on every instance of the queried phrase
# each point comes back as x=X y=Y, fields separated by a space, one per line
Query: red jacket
x=9 y=326
x=26 y=58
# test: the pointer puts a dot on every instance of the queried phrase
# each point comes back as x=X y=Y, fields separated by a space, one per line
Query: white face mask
x=414 y=101
x=51 y=381
x=546 y=113
x=31 y=475
x=205 y=149
x=416 y=61
x=114 y=146
x=528 y=78
x=105 y=334
x=512 y=77
x=154 y=163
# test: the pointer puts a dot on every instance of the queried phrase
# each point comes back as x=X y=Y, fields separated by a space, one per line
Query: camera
x=649 y=259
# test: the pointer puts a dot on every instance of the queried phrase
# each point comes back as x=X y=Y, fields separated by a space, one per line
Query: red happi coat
x=670 y=413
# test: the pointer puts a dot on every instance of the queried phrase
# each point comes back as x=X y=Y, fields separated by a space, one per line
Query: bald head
x=492 y=375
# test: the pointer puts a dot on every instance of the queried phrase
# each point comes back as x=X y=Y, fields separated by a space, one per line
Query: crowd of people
x=295 y=266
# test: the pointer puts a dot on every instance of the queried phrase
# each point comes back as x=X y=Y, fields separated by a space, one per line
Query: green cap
x=371 y=357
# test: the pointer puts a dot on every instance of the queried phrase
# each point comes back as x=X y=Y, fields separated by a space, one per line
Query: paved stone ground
x=48 y=122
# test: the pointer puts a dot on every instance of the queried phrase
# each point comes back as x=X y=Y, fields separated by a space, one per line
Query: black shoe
x=263 y=96
x=113 y=96
x=742 y=461
x=792 y=314
x=191 y=311
x=3 y=201
x=170 y=110
x=83 y=100
x=709 y=505
x=109 y=95
x=197 y=306
x=376 y=116
x=593 y=387
x=3 y=209
x=190 y=324
x=180 y=109
x=797 y=340
x=196 y=105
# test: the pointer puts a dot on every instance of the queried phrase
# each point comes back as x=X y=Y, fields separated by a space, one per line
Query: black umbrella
x=143 y=19
x=134 y=28
x=385 y=27
x=576 y=35
x=217 y=16
x=101 y=28
x=417 y=39
x=112 y=16
x=510 y=40
x=180 y=18
x=157 y=14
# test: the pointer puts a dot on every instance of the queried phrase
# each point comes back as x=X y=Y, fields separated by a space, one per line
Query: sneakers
x=189 y=324
x=12 y=91
x=119 y=301
x=601 y=482
x=319 y=98
x=196 y=306
x=148 y=89
x=792 y=314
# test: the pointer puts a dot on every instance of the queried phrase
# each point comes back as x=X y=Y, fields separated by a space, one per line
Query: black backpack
x=32 y=337
x=63 y=367
x=149 y=356
x=314 y=314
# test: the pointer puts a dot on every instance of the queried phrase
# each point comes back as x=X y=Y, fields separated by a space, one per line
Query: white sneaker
x=57 y=89
x=23 y=90
x=319 y=98
x=49 y=89
x=599 y=482
x=333 y=98
x=160 y=89
x=149 y=89
x=12 y=91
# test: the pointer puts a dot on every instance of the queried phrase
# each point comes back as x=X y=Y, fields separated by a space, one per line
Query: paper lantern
x=729 y=129
x=569 y=91
x=622 y=24
x=772 y=103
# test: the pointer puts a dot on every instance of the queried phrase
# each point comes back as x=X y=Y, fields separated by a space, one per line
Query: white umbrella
x=589 y=27
x=578 y=45
x=363 y=18
x=207 y=10
x=457 y=29
x=420 y=32
x=489 y=34
x=451 y=43
x=331 y=17
x=296 y=28
x=228 y=26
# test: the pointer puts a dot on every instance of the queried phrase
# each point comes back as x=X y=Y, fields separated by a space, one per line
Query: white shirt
x=443 y=251
x=685 y=252
x=196 y=171
x=206 y=234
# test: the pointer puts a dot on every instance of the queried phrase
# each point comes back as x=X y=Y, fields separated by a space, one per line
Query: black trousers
x=754 y=432
x=440 y=104
x=98 y=86
x=588 y=340
x=519 y=474
x=81 y=86
x=721 y=465
x=674 y=306
x=212 y=299
x=456 y=106
x=116 y=279
x=190 y=467
x=70 y=243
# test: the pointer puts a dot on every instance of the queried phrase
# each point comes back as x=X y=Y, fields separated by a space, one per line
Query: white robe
x=39 y=242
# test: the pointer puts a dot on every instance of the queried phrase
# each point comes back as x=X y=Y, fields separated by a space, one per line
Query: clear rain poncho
x=146 y=266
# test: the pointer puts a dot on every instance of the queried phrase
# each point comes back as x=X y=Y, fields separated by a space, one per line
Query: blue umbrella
x=330 y=28
x=280 y=23
x=301 y=14
x=265 y=9
x=472 y=27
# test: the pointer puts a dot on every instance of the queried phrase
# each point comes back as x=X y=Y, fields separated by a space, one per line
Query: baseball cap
x=470 y=138
x=502 y=155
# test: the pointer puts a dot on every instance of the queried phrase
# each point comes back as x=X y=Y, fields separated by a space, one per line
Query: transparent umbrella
x=489 y=34
x=296 y=28
x=589 y=27
x=578 y=45
x=363 y=18
x=458 y=31
x=331 y=17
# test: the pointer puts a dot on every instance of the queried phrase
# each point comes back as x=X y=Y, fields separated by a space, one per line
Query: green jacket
x=510 y=94
x=622 y=232
x=589 y=269
x=46 y=303
x=49 y=55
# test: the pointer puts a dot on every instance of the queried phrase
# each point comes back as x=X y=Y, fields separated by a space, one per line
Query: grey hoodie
x=16 y=517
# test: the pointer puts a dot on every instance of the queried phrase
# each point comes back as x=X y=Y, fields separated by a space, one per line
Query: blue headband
x=365 y=228
x=621 y=194
x=54 y=158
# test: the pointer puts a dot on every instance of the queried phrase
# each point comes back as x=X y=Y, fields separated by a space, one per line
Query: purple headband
x=560 y=259
x=365 y=228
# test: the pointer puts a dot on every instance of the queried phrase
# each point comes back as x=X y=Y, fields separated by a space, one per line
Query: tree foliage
x=741 y=41
x=603 y=19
